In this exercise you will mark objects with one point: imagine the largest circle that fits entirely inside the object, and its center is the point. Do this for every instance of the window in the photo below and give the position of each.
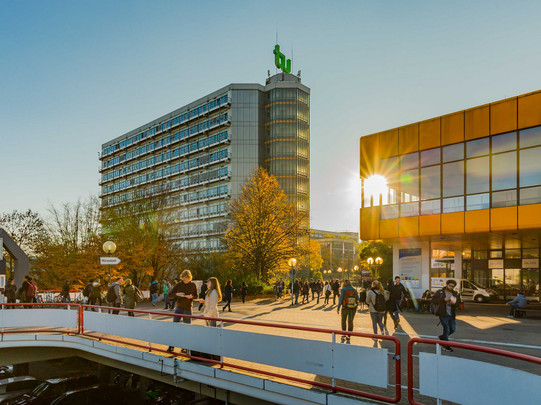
(480, 255)
(504, 198)
(496, 254)
(455, 204)
(409, 185)
(430, 207)
(530, 167)
(430, 157)
(409, 161)
(530, 195)
(453, 179)
(477, 175)
(453, 152)
(512, 254)
(430, 182)
(389, 212)
(478, 147)
(504, 171)
(530, 137)
(504, 142)
(409, 210)
(530, 253)
(477, 202)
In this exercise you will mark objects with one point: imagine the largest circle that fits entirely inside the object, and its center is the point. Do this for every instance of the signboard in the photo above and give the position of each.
(280, 60)
(109, 260)
(2, 281)
(365, 272)
(495, 264)
(409, 266)
(530, 263)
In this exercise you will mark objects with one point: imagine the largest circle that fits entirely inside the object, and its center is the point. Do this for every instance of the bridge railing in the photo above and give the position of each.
(32, 318)
(323, 362)
(462, 380)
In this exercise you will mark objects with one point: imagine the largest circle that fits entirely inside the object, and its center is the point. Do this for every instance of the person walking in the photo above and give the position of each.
(166, 288)
(213, 295)
(398, 292)
(65, 293)
(390, 306)
(95, 293)
(87, 291)
(296, 290)
(319, 288)
(312, 285)
(129, 296)
(185, 291)
(327, 291)
(116, 294)
(244, 291)
(228, 295)
(305, 292)
(202, 295)
(348, 301)
(444, 303)
(154, 292)
(335, 290)
(375, 298)
(518, 302)
(11, 292)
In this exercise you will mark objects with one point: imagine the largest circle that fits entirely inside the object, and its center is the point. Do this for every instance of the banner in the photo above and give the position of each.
(409, 266)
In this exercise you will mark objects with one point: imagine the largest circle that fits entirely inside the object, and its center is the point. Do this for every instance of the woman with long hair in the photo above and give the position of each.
(376, 298)
(228, 295)
(213, 295)
(129, 296)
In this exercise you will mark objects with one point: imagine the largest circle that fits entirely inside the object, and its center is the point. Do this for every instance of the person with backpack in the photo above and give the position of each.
(129, 296)
(114, 295)
(444, 304)
(95, 294)
(154, 292)
(348, 301)
(65, 293)
(376, 298)
(27, 292)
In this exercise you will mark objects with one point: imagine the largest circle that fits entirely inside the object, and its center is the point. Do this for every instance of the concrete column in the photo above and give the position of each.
(458, 264)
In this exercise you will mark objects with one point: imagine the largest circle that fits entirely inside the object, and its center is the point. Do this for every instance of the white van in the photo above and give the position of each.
(469, 291)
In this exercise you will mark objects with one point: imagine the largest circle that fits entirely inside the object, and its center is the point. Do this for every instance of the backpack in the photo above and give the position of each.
(86, 291)
(111, 296)
(350, 301)
(138, 295)
(31, 290)
(379, 305)
(435, 304)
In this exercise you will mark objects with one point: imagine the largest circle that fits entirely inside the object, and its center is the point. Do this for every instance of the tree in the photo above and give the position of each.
(378, 249)
(26, 229)
(311, 259)
(264, 228)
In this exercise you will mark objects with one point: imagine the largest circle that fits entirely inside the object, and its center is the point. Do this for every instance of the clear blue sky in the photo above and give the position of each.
(75, 74)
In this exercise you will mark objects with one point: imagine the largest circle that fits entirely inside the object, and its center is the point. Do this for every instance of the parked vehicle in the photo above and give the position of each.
(15, 386)
(98, 396)
(468, 290)
(51, 389)
(6, 371)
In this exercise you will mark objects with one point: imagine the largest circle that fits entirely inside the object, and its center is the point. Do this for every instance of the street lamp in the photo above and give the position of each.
(292, 262)
(109, 248)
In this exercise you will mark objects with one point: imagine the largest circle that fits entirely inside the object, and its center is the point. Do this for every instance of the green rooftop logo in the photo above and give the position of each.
(280, 60)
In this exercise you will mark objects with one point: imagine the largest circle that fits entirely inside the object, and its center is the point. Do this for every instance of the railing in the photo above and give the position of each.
(465, 381)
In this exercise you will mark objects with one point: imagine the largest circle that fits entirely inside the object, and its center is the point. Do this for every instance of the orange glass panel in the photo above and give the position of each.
(503, 116)
(388, 143)
(452, 222)
(429, 225)
(529, 216)
(369, 155)
(477, 221)
(408, 227)
(388, 228)
(429, 134)
(502, 219)
(529, 110)
(370, 223)
(408, 138)
(477, 124)
(452, 128)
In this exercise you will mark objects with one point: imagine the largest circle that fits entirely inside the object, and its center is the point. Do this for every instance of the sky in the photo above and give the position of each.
(76, 74)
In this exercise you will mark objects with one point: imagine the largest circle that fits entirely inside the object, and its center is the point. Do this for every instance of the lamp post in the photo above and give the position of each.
(355, 269)
(109, 248)
(379, 262)
(292, 262)
(370, 262)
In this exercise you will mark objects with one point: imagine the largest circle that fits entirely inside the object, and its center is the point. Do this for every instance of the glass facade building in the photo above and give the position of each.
(466, 189)
(199, 156)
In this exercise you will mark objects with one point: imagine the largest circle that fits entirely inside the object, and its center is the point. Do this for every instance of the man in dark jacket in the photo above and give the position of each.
(398, 291)
(447, 300)
(10, 292)
(65, 293)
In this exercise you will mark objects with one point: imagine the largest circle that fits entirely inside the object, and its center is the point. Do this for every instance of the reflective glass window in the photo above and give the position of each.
(454, 204)
(430, 157)
(477, 202)
(480, 255)
(504, 142)
(409, 209)
(409, 161)
(530, 167)
(430, 182)
(478, 147)
(504, 171)
(409, 185)
(430, 207)
(530, 137)
(453, 152)
(530, 195)
(453, 179)
(389, 212)
(477, 175)
(506, 198)
(512, 254)
(530, 253)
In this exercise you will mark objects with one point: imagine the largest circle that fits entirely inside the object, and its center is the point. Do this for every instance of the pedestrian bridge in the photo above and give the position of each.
(274, 363)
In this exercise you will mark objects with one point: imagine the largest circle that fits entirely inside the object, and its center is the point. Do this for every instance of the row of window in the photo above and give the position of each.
(177, 136)
(168, 171)
(204, 211)
(168, 124)
(199, 228)
(183, 150)
(285, 94)
(288, 112)
(207, 193)
(201, 244)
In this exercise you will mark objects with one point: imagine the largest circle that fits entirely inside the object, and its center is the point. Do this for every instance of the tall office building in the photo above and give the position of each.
(199, 156)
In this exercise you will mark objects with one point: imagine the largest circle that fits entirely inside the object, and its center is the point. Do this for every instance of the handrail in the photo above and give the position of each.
(396, 356)
(40, 305)
(466, 346)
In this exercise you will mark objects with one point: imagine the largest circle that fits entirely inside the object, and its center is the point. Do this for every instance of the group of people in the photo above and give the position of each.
(307, 288)
(27, 293)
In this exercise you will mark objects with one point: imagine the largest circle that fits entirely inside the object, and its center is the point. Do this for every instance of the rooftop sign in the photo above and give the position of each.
(280, 60)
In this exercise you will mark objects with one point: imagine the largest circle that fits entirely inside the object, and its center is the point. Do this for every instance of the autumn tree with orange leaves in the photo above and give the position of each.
(264, 229)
